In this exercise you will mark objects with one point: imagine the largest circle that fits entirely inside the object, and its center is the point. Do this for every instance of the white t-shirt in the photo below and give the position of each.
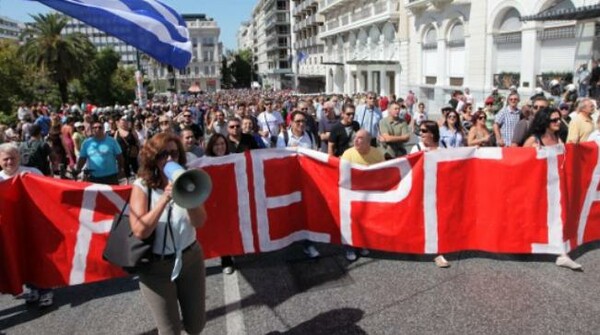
(183, 237)
(304, 141)
(270, 122)
(21, 169)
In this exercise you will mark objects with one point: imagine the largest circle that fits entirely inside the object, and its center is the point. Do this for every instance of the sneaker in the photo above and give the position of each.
(351, 255)
(441, 262)
(364, 252)
(31, 296)
(228, 270)
(311, 251)
(566, 262)
(46, 299)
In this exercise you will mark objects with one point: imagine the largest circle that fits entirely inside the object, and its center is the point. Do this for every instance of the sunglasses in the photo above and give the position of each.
(481, 118)
(554, 120)
(166, 153)
(350, 114)
(452, 117)
(187, 115)
(513, 99)
(300, 121)
(537, 107)
(97, 127)
(234, 126)
(164, 122)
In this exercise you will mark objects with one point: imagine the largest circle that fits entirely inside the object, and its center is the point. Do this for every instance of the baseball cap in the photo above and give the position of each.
(78, 124)
(489, 101)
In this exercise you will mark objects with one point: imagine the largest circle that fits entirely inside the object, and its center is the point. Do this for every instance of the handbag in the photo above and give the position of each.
(123, 248)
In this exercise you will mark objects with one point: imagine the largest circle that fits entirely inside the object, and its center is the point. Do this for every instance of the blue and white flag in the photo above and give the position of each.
(302, 56)
(147, 25)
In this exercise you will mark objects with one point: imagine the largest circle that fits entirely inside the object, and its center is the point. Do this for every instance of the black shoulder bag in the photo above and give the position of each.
(123, 248)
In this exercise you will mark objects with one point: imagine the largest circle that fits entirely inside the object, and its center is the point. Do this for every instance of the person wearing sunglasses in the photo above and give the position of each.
(522, 128)
(342, 133)
(506, 121)
(479, 135)
(174, 279)
(326, 123)
(452, 134)
(237, 141)
(103, 156)
(430, 141)
(544, 132)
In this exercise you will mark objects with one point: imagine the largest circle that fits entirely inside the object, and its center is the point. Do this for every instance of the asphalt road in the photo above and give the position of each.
(283, 293)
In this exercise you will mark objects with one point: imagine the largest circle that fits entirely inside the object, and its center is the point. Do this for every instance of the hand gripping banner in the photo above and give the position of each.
(499, 200)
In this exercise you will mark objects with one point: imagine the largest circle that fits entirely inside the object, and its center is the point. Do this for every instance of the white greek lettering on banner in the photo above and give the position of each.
(264, 203)
(87, 227)
(556, 244)
(348, 195)
(243, 196)
(591, 196)
(430, 173)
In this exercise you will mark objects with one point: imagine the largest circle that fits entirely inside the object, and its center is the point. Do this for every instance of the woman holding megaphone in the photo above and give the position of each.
(175, 278)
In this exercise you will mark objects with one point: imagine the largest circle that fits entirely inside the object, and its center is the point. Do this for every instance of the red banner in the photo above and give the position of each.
(501, 200)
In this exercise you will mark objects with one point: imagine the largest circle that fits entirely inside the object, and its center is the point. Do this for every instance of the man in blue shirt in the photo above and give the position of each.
(368, 117)
(103, 156)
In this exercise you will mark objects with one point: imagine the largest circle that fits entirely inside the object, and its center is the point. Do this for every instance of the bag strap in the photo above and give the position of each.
(162, 256)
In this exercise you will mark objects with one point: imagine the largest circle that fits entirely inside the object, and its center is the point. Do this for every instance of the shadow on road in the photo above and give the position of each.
(337, 321)
(70, 295)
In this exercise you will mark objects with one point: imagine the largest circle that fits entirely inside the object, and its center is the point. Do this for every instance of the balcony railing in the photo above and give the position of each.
(377, 11)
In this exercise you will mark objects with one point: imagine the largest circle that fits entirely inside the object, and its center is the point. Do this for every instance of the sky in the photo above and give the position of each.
(228, 13)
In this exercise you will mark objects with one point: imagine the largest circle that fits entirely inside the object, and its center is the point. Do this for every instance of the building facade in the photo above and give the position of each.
(452, 44)
(245, 36)
(272, 46)
(361, 45)
(203, 73)
(10, 29)
(101, 40)
(307, 48)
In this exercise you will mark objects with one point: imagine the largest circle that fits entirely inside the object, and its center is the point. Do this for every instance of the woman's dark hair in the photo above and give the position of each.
(476, 116)
(433, 128)
(148, 163)
(210, 146)
(541, 121)
(458, 124)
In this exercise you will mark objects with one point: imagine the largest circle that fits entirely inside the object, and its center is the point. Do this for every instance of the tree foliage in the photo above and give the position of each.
(62, 57)
(241, 69)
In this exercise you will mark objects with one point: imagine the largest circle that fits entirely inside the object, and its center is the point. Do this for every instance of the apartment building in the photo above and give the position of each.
(10, 29)
(307, 47)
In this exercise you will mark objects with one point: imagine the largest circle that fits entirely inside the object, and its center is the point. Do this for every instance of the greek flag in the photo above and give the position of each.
(147, 25)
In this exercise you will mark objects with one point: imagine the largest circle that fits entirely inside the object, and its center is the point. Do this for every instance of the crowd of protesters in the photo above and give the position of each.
(102, 144)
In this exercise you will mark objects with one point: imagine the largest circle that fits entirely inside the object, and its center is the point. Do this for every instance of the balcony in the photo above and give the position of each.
(417, 6)
(330, 5)
(362, 17)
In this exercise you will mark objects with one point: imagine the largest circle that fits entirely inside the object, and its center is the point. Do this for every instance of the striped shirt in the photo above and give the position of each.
(507, 120)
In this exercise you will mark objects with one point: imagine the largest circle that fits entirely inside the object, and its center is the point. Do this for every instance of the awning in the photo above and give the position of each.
(566, 14)
(333, 63)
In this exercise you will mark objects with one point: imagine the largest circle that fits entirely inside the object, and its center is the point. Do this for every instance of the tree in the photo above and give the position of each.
(241, 69)
(11, 71)
(98, 78)
(226, 75)
(63, 57)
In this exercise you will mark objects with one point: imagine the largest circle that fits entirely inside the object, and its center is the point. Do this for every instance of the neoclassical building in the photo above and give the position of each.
(453, 44)
(362, 50)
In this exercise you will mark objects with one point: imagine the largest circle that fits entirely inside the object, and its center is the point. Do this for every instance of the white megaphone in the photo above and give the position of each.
(191, 187)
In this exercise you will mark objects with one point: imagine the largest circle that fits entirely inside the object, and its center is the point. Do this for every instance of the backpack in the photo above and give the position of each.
(31, 154)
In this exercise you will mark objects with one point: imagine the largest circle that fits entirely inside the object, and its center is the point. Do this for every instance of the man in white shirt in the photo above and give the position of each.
(270, 123)
(297, 136)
